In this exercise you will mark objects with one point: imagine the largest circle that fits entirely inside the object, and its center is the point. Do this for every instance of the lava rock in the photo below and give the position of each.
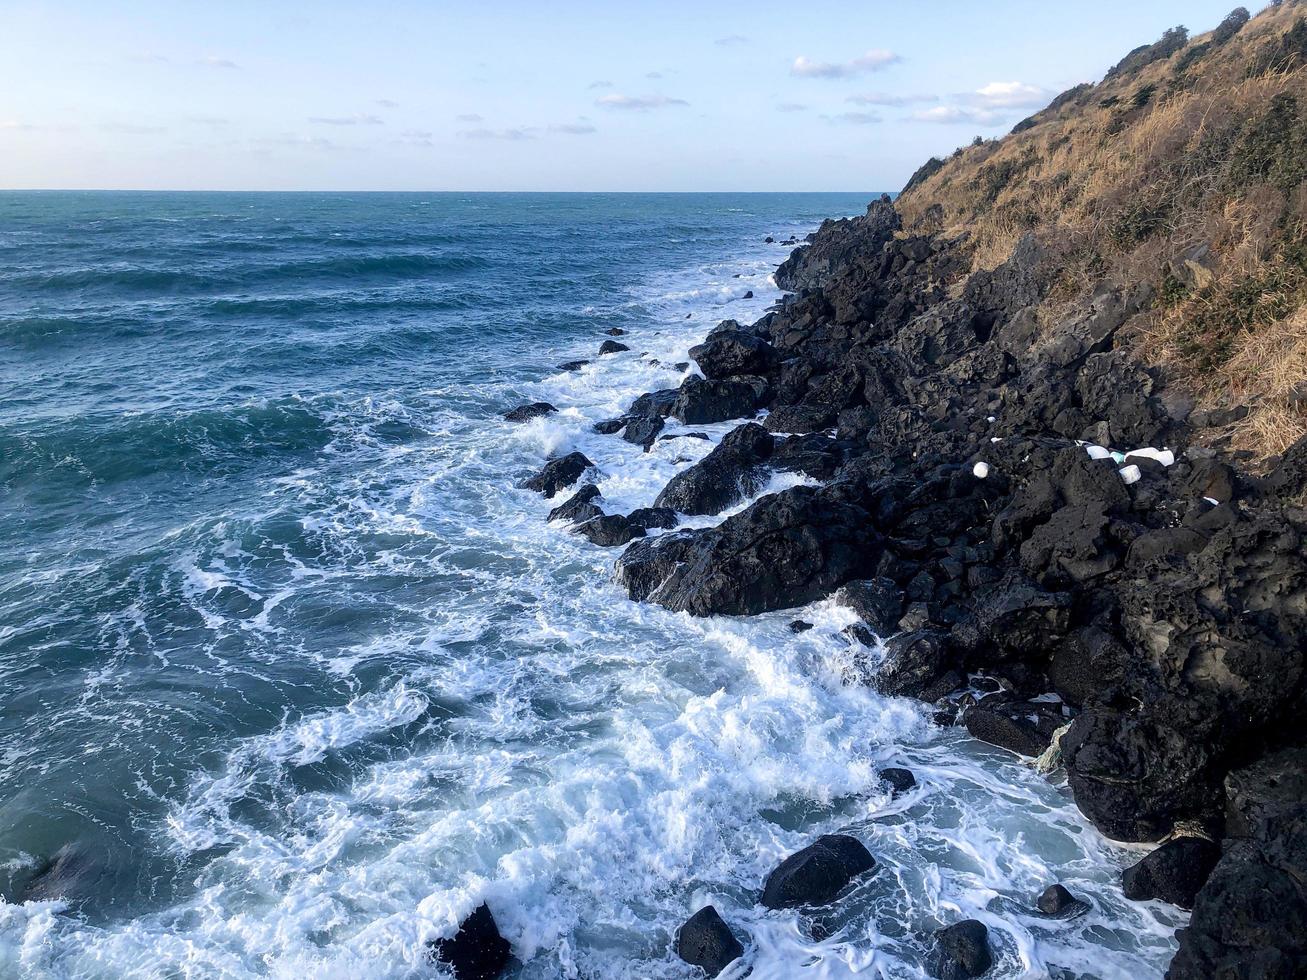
(610, 531)
(703, 402)
(728, 353)
(660, 517)
(816, 874)
(612, 347)
(660, 403)
(558, 474)
(706, 941)
(899, 780)
(615, 332)
(800, 626)
(608, 427)
(877, 601)
(961, 951)
(572, 365)
(477, 951)
(1023, 727)
(919, 665)
(732, 471)
(643, 430)
(524, 413)
(1058, 903)
(579, 507)
(1174, 872)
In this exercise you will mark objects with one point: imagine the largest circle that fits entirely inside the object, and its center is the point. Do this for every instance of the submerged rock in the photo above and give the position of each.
(816, 874)
(610, 530)
(961, 951)
(706, 941)
(1058, 903)
(899, 780)
(579, 507)
(524, 413)
(477, 951)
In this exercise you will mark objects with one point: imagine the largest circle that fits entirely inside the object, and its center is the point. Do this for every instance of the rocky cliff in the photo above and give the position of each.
(1051, 399)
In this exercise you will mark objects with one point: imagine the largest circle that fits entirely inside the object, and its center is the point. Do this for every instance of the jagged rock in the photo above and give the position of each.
(572, 365)
(524, 413)
(612, 347)
(1087, 666)
(706, 941)
(1023, 727)
(800, 626)
(919, 665)
(610, 531)
(643, 430)
(703, 402)
(1250, 918)
(1058, 903)
(899, 780)
(1021, 620)
(817, 456)
(961, 951)
(1174, 872)
(728, 474)
(477, 951)
(837, 245)
(558, 474)
(816, 874)
(659, 403)
(877, 601)
(659, 517)
(608, 427)
(801, 418)
(784, 550)
(729, 353)
(579, 507)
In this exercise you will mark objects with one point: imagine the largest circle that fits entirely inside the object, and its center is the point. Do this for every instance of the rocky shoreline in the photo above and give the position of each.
(1031, 541)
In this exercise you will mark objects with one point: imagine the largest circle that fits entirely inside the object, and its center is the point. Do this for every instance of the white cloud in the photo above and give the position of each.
(215, 62)
(573, 129)
(731, 39)
(359, 119)
(791, 107)
(637, 102)
(388, 103)
(888, 99)
(470, 117)
(131, 129)
(594, 85)
(653, 74)
(858, 118)
(1010, 95)
(512, 134)
(208, 120)
(946, 115)
(873, 60)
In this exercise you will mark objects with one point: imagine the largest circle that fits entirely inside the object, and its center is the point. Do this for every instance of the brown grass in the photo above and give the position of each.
(1206, 146)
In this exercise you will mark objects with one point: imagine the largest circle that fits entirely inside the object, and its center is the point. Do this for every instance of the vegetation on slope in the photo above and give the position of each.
(1184, 169)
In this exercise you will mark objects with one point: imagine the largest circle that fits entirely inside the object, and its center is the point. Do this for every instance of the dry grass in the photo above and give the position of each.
(1206, 146)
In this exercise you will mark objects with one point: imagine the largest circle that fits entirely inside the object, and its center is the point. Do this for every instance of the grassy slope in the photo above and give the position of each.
(1184, 144)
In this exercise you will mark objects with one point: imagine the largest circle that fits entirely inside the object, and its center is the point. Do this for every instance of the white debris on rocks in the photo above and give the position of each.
(1163, 456)
(1130, 474)
(980, 470)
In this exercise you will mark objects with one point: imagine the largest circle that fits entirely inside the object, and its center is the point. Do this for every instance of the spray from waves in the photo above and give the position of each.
(510, 729)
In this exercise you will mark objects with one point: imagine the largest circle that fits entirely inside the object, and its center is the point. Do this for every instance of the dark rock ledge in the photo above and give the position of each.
(1150, 617)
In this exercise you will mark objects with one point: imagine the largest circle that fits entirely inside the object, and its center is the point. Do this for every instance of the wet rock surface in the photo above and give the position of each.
(818, 873)
(707, 941)
(477, 951)
(961, 951)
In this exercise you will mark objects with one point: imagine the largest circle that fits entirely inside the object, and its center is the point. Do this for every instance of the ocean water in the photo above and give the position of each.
(295, 677)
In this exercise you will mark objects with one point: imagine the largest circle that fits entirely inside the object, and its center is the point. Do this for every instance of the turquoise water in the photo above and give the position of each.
(297, 678)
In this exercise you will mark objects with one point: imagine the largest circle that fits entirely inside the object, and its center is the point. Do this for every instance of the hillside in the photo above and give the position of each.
(1182, 171)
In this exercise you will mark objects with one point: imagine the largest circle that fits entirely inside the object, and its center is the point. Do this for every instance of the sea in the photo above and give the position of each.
(293, 676)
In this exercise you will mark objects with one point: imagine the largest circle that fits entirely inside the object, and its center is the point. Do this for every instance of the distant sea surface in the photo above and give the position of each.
(292, 677)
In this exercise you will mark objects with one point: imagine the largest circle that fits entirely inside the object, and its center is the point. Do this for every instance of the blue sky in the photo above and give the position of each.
(535, 96)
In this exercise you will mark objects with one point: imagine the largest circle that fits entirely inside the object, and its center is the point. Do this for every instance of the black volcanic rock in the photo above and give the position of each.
(572, 365)
(579, 507)
(1174, 872)
(706, 941)
(558, 474)
(961, 951)
(816, 874)
(899, 780)
(728, 353)
(728, 474)
(643, 430)
(477, 951)
(703, 402)
(612, 347)
(1057, 902)
(524, 413)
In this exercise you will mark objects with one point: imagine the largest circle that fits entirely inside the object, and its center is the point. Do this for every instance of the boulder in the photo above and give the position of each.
(784, 550)
(1174, 872)
(477, 951)
(816, 874)
(732, 471)
(572, 365)
(877, 601)
(728, 353)
(800, 418)
(703, 402)
(919, 665)
(1057, 902)
(899, 780)
(579, 507)
(706, 941)
(1023, 727)
(608, 427)
(961, 951)
(612, 347)
(660, 403)
(643, 430)
(610, 530)
(558, 474)
(524, 413)
(660, 517)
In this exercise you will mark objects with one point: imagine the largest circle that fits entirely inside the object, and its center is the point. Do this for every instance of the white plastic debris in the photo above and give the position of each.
(1213, 501)
(1118, 457)
(989, 418)
(995, 439)
(1098, 452)
(1163, 456)
(980, 470)
(1130, 474)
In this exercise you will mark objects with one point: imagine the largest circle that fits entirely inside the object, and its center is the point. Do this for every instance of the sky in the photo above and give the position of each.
(568, 95)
